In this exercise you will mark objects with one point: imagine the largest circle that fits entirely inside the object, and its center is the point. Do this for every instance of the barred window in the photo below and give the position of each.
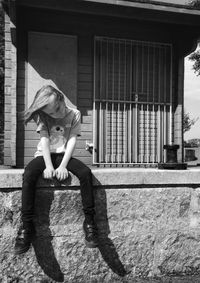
(133, 116)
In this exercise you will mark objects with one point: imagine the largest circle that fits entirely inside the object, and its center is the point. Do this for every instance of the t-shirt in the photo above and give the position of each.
(58, 130)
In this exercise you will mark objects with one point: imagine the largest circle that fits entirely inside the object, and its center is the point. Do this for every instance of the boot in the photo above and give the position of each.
(91, 234)
(24, 238)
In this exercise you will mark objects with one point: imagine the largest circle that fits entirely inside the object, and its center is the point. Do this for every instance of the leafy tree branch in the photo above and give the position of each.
(188, 122)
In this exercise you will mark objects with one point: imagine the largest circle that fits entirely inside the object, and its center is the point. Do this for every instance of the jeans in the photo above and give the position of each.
(36, 167)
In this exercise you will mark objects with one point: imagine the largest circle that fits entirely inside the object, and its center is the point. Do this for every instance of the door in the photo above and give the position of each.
(52, 59)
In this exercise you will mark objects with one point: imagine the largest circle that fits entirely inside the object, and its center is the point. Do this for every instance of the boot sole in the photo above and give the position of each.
(22, 251)
(90, 245)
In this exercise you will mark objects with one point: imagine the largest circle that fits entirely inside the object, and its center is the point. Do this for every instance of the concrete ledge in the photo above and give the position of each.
(144, 176)
(12, 178)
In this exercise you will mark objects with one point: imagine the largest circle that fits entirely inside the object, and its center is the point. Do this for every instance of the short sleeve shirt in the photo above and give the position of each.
(58, 130)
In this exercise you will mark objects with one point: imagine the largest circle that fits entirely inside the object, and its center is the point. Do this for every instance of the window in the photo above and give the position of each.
(133, 116)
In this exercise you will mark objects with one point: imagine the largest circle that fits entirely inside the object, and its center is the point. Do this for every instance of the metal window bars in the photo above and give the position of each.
(133, 101)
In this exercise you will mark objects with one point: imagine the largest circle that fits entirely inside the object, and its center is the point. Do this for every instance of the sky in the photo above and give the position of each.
(192, 98)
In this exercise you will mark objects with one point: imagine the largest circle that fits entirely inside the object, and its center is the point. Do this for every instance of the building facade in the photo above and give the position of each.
(121, 63)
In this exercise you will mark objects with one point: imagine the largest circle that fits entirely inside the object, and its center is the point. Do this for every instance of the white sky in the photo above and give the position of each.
(192, 98)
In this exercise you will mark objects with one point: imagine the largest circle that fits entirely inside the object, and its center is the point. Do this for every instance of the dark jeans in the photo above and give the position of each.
(36, 167)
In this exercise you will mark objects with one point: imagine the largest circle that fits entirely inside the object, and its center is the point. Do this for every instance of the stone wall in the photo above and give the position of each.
(149, 229)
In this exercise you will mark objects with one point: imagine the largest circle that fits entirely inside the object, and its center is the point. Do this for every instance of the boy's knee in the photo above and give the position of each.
(86, 172)
(30, 175)
(27, 174)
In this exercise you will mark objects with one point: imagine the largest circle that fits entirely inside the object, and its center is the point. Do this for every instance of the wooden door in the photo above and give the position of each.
(52, 59)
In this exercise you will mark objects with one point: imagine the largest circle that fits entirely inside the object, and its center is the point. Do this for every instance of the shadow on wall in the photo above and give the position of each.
(106, 246)
(42, 245)
(48, 66)
(44, 249)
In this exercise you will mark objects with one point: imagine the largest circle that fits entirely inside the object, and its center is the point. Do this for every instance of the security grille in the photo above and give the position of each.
(133, 116)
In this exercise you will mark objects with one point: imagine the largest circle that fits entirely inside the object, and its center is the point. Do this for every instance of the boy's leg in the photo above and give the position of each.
(84, 175)
(31, 174)
(26, 232)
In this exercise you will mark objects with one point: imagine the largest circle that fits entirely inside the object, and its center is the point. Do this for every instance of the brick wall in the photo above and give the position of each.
(1, 84)
(9, 101)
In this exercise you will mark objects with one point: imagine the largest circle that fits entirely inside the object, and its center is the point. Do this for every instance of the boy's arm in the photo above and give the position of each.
(61, 171)
(49, 171)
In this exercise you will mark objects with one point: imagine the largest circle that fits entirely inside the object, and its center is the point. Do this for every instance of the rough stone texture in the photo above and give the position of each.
(146, 235)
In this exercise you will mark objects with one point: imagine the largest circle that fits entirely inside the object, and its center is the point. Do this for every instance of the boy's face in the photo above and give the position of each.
(56, 108)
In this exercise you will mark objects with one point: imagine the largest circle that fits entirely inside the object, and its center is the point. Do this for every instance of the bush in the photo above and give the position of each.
(195, 4)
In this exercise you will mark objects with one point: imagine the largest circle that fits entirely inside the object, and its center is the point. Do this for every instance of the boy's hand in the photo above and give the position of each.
(61, 173)
(49, 173)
